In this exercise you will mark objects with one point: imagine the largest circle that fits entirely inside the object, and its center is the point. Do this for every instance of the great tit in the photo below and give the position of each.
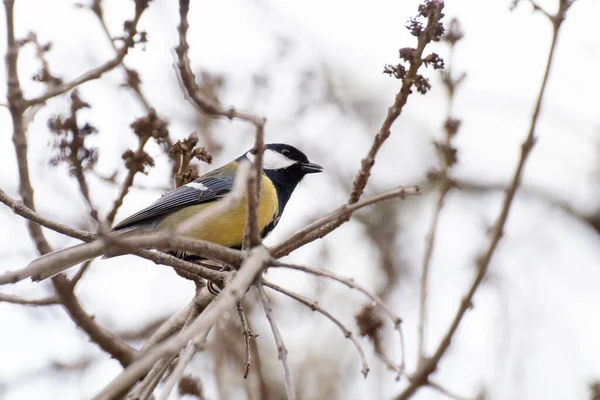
(284, 166)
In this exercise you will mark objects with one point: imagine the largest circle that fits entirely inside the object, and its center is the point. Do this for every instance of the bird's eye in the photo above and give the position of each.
(286, 152)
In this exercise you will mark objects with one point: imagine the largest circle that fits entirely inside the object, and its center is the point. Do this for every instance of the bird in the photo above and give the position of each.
(284, 166)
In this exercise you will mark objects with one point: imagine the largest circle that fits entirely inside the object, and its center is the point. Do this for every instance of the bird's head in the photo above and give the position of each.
(285, 166)
(279, 158)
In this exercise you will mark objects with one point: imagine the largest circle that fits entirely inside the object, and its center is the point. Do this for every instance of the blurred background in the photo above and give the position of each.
(314, 70)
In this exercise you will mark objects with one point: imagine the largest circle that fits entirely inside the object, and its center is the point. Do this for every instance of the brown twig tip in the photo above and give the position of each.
(183, 152)
(314, 306)
(454, 33)
(150, 125)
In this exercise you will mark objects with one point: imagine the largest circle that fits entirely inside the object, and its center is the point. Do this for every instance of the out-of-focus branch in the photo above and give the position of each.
(106, 340)
(95, 73)
(48, 301)
(447, 156)
(313, 305)
(62, 286)
(396, 320)
(429, 365)
(146, 387)
(281, 349)
(334, 219)
(253, 265)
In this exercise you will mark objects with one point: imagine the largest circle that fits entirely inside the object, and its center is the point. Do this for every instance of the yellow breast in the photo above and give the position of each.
(227, 228)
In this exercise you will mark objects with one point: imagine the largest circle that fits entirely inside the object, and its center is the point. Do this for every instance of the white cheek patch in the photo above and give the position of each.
(275, 160)
(197, 186)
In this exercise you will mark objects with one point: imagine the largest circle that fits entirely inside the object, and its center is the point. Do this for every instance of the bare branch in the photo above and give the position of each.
(48, 301)
(188, 79)
(447, 156)
(334, 219)
(184, 359)
(313, 305)
(409, 79)
(247, 333)
(58, 261)
(62, 286)
(254, 189)
(106, 340)
(396, 320)
(420, 378)
(281, 349)
(253, 265)
(128, 43)
(19, 208)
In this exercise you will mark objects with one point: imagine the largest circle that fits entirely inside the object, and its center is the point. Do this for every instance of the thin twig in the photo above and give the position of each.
(159, 258)
(58, 261)
(253, 265)
(331, 221)
(184, 359)
(281, 349)
(127, 182)
(446, 392)
(62, 286)
(313, 305)
(79, 274)
(421, 376)
(396, 320)
(145, 388)
(95, 73)
(447, 157)
(428, 34)
(48, 301)
(188, 79)
(247, 333)
(254, 190)
(18, 207)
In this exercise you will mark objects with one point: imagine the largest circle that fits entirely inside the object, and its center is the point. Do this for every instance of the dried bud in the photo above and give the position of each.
(454, 33)
(408, 54)
(435, 60)
(369, 323)
(451, 126)
(447, 152)
(422, 84)
(397, 71)
(202, 154)
(434, 175)
(139, 162)
(150, 126)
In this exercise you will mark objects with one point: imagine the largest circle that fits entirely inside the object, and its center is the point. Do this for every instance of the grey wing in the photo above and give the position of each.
(200, 191)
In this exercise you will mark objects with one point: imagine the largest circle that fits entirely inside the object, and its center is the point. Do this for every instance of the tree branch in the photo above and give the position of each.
(281, 349)
(253, 265)
(313, 305)
(95, 73)
(421, 376)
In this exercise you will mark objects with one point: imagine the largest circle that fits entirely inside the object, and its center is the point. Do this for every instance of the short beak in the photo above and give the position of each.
(311, 168)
